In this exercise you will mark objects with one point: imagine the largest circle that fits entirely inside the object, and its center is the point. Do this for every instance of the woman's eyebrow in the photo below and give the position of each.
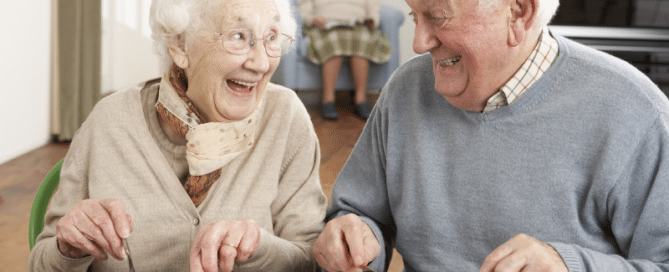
(246, 22)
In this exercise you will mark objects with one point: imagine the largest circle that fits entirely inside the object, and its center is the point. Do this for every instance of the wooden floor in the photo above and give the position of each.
(20, 178)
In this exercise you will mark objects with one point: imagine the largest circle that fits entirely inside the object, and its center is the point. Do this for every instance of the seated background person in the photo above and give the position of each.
(210, 167)
(506, 148)
(338, 29)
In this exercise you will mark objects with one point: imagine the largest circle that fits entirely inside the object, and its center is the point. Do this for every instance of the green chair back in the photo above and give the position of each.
(44, 192)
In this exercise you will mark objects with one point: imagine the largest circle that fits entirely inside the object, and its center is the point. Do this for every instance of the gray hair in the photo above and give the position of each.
(179, 19)
(547, 9)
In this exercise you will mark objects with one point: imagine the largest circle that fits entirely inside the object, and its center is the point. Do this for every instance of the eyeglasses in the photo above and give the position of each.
(240, 42)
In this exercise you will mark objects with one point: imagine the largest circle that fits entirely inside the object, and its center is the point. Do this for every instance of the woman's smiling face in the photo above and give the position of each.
(223, 86)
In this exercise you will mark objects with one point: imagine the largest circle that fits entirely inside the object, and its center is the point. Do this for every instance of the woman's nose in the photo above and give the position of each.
(258, 60)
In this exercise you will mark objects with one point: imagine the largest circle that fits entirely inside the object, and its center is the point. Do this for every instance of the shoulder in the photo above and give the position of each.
(285, 110)
(117, 113)
(286, 126)
(120, 104)
(608, 79)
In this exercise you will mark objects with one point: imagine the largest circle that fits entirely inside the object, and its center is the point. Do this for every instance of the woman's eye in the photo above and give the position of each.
(271, 38)
(239, 36)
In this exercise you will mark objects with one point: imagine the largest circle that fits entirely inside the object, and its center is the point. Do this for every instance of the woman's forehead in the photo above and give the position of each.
(247, 12)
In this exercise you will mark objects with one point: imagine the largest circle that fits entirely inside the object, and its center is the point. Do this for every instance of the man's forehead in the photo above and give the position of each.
(437, 3)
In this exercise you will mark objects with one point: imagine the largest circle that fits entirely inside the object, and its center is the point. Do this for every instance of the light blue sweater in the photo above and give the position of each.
(579, 161)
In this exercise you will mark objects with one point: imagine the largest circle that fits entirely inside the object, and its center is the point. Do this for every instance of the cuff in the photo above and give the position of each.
(569, 255)
(64, 263)
(379, 262)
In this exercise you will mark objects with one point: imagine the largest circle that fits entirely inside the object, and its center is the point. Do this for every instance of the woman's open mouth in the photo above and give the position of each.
(241, 87)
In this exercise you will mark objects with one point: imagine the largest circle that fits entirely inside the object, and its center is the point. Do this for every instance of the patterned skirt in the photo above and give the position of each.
(347, 41)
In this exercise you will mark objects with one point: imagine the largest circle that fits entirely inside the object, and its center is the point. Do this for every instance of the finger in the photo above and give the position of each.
(353, 240)
(70, 237)
(227, 255)
(339, 252)
(491, 261)
(82, 224)
(248, 245)
(209, 240)
(195, 260)
(514, 262)
(101, 217)
(319, 249)
(118, 215)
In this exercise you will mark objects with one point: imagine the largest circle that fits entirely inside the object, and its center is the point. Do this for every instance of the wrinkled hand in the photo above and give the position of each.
(95, 227)
(524, 253)
(319, 22)
(218, 245)
(346, 244)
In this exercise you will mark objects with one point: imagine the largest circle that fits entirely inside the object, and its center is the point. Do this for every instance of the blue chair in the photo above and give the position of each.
(298, 73)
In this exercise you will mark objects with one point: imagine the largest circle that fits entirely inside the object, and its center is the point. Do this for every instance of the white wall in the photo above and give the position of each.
(24, 73)
(406, 30)
(127, 47)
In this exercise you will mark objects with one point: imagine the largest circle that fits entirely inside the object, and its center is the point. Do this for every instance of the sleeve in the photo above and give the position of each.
(72, 189)
(637, 209)
(297, 212)
(361, 186)
(373, 11)
(306, 8)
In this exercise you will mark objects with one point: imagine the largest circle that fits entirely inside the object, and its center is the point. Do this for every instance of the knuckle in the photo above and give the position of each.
(227, 253)
(207, 243)
(332, 250)
(93, 231)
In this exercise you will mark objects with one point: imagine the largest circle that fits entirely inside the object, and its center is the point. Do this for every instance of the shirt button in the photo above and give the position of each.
(196, 221)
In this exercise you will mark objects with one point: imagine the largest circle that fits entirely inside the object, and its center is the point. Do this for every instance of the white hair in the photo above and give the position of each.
(178, 20)
(547, 9)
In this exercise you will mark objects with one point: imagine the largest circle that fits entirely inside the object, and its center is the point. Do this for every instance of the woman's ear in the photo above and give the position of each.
(177, 49)
(523, 16)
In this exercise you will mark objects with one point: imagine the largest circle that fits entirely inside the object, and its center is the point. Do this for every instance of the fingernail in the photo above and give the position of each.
(358, 261)
(123, 254)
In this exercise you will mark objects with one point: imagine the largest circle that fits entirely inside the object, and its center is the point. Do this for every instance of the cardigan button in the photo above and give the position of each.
(196, 221)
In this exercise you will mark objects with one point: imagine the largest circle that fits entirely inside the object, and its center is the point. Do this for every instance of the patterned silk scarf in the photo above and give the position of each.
(210, 145)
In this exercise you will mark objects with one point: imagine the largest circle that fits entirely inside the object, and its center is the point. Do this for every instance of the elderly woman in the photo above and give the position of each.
(210, 167)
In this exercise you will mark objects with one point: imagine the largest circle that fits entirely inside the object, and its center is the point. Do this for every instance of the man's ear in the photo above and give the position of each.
(177, 49)
(523, 16)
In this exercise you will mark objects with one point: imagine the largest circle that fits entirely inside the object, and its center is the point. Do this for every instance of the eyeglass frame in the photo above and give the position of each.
(252, 41)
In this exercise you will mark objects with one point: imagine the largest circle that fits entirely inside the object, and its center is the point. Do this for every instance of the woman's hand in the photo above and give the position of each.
(95, 227)
(218, 245)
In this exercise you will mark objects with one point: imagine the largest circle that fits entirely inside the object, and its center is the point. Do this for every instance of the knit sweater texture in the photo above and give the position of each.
(120, 152)
(580, 161)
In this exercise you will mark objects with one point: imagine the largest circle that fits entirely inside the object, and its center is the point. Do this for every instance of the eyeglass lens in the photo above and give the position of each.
(241, 41)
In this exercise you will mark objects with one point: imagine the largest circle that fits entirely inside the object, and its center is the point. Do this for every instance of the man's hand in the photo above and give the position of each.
(346, 244)
(95, 227)
(524, 253)
(218, 245)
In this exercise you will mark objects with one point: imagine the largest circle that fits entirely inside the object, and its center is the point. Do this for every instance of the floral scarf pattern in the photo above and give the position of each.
(210, 145)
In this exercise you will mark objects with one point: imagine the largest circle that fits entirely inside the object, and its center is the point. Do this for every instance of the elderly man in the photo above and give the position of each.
(506, 148)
